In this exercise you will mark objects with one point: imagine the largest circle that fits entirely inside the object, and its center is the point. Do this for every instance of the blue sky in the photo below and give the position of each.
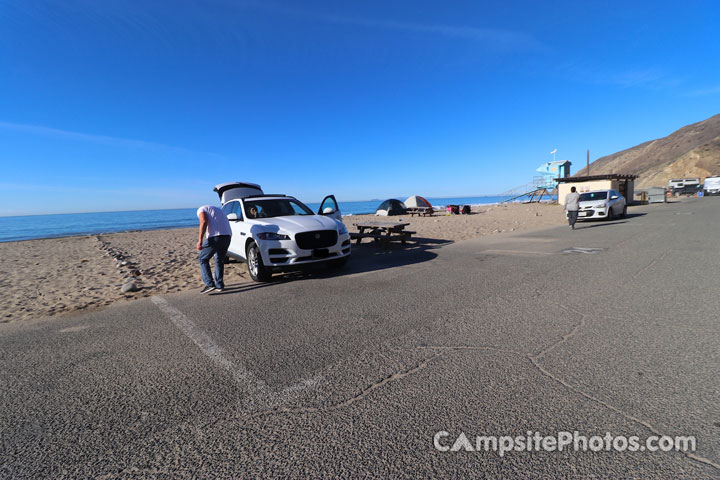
(117, 105)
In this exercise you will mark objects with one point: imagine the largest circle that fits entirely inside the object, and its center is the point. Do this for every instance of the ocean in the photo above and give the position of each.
(74, 224)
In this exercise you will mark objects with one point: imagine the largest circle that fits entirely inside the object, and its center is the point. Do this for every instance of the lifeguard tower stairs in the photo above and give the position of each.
(543, 185)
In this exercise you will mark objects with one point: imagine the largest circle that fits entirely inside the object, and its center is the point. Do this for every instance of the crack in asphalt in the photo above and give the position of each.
(299, 410)
(573, 331)
(535, 361)
(627, 416)
(349, 401)
(491, 348)
(649, 265)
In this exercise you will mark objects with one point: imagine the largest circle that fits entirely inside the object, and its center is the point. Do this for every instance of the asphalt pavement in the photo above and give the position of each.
(610, 328)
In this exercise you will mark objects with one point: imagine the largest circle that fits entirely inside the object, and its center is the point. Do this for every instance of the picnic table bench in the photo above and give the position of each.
(424, 211)
(381, 232)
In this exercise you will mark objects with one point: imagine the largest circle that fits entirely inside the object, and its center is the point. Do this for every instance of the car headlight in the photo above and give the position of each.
(342, 229)
(272, 236)
(602, 205)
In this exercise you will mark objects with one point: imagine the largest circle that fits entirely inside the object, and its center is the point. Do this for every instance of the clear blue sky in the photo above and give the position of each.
(125, 105)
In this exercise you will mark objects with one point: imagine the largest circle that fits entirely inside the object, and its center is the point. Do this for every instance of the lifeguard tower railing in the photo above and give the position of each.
(542, 186)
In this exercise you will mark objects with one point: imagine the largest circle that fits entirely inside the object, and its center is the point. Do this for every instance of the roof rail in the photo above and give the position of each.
(270, 195)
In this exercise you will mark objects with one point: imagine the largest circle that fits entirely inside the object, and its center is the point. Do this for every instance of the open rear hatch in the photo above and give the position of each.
(235, 190)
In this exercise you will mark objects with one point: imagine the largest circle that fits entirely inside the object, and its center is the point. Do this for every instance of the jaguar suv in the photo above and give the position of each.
(276, 233)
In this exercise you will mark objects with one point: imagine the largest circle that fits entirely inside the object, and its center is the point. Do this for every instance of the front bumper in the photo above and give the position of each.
(286, 255)
(588, 213)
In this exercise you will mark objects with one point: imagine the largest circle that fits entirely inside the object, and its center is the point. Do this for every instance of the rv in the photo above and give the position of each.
(676, 183)
(684, 186)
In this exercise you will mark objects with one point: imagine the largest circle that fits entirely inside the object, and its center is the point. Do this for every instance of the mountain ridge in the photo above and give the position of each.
(689, 152)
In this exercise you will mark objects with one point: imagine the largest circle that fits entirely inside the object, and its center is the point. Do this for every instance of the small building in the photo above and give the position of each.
(623, 184)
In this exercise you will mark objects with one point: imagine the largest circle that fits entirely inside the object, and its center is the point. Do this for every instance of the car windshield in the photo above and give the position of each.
(592, 196)
(275, 207)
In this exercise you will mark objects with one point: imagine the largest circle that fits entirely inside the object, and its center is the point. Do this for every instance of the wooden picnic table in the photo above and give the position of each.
(420, 211)
(382, 232)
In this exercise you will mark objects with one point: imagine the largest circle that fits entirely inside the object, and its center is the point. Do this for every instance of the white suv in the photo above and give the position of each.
(275, 233)
(712, 185)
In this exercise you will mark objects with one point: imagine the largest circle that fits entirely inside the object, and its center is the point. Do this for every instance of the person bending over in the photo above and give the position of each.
(213, 241)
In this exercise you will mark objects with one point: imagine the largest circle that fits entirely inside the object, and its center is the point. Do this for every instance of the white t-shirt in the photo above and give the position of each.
(572, 202)
(218, 223)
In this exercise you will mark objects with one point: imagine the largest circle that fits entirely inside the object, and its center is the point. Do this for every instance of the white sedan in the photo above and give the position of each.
(602, 204)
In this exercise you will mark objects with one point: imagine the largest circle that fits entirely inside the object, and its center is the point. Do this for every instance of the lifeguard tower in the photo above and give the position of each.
(550, 172)
(543, 184)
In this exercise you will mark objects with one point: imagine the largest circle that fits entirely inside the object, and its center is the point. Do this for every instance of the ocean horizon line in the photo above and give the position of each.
(195, 207)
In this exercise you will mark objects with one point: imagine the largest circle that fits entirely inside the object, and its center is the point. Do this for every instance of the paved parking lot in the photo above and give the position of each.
(612, 328)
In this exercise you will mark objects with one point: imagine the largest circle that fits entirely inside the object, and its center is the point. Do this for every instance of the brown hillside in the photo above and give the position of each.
(693, 151)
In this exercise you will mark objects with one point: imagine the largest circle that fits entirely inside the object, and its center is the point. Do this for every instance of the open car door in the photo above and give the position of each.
(239, 228)
(329, 207)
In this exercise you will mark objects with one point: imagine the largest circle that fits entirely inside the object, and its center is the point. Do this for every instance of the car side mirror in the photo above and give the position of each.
(614, 197)
(328, 210)
(232, 217)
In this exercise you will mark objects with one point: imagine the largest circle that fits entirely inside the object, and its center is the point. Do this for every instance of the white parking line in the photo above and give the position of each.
(259, 392)
(497, 251)
(585, 250)
(209, 348)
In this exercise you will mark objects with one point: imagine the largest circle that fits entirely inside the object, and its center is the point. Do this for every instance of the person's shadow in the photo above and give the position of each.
(602, 222)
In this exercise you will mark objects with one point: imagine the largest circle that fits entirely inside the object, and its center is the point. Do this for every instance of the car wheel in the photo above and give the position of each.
(339, 262)
(257, 270)
(610, 215)
(624, 214)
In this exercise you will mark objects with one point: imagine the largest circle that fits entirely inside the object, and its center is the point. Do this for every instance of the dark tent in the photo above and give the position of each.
(391, 207)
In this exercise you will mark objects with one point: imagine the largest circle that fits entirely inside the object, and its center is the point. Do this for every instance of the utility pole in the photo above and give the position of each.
(587, 169)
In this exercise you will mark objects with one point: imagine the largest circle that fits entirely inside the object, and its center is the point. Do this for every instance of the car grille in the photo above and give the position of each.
(316, 239)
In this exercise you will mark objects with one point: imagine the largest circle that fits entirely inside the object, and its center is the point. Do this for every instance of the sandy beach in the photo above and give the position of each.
(43, 278)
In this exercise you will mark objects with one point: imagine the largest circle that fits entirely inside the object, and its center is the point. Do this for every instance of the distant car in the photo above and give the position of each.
(602, 204)
(275, 233)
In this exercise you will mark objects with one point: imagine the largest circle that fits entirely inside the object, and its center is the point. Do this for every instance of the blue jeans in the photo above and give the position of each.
(217, 247)
(572, 217)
